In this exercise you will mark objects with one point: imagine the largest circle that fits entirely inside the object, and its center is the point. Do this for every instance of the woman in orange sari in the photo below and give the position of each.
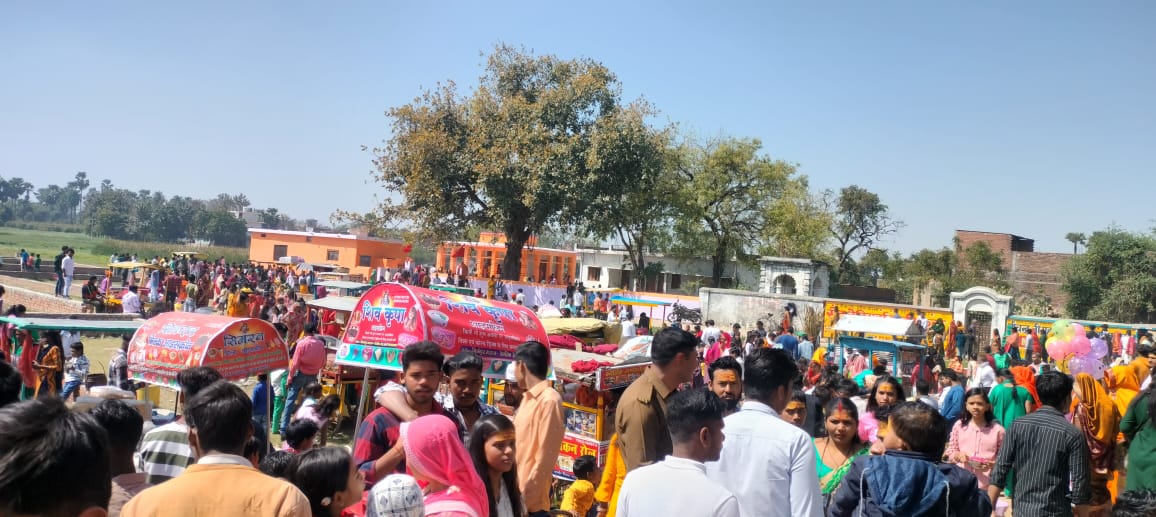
(1096, 416)
(1124, 385)
(49, 365)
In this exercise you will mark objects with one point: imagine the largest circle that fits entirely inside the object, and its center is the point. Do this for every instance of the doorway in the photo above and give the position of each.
(982, 322)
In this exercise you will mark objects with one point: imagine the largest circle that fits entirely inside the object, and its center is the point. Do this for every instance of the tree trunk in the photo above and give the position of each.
(512, 262)
(718, 262)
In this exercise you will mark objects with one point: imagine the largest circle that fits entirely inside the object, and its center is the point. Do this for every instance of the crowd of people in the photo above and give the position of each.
(758, 438)
(721, 423)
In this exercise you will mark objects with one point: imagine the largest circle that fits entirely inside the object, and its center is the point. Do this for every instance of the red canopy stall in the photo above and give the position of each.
(173, 341)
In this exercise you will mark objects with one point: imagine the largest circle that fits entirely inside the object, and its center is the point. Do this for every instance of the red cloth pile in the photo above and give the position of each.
(600, 349)
(588, 365)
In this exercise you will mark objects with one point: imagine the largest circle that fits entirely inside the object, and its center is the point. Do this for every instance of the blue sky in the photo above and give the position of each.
(1034, 117)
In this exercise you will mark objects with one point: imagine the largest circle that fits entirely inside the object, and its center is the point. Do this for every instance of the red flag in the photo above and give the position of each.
(460, 251)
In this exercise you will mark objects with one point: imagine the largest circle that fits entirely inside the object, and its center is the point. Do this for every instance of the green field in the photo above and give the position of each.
(94, 251)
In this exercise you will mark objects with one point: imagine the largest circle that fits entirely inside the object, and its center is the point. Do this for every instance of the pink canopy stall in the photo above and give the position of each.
(391, 316)
(173, 341)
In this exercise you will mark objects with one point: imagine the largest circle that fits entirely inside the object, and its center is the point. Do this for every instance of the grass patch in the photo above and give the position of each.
(94, 251)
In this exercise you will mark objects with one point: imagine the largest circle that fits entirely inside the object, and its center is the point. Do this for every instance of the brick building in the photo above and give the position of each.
(1030, 272)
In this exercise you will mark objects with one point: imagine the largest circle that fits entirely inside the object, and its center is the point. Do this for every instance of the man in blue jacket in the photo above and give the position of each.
(909, 480)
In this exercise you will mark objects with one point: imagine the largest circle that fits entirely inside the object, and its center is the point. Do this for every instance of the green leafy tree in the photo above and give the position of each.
(798, 224)
(860, 221)
(640, 216)
(1114, 279)
(221, 228)
(727, 189)
(518, 155)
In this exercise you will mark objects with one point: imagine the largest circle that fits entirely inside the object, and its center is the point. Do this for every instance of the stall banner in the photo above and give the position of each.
(390, 317)
(619, 376)
(574, 446)
(174, 341)
(832, 309)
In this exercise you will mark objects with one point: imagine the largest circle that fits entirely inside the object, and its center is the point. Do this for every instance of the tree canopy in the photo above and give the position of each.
(523, 151)
(1114, 279)
(727, 189)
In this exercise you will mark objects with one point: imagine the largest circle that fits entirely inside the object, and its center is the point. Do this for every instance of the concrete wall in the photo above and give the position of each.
(729, 306)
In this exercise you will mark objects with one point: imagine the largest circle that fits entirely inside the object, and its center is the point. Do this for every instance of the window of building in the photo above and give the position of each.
(675, 281)
(280, 250)
(593, 274)
(331, 255)
(364, 261)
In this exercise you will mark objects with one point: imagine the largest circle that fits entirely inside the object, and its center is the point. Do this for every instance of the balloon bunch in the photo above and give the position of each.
(1074, 352)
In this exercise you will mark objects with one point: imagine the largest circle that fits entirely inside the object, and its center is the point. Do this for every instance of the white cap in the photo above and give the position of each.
(510, 372)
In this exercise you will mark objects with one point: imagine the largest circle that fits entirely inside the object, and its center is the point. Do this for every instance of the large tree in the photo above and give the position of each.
(517, 155)
(640, 216)
(1114, 279)
(860, 220)
(726, 192)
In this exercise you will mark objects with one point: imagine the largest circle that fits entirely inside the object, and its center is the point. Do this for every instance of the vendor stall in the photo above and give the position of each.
(902, 356)
(588, 383)
(343, 288)
(173, 341)
(589, 330)
(392, 316)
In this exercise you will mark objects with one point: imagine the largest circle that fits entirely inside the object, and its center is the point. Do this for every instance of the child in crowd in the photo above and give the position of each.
(276, 464)
(909, 478)
(923, 394)
(299, 436)
(579, 498)
(75, 371)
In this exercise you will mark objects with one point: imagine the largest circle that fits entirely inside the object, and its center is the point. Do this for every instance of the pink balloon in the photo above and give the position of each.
(1081, 345)
(1078, 330)
(1058, 349)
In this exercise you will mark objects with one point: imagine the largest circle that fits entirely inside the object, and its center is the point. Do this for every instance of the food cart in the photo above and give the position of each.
(589, 399)
(903, 355)
(339, 379)
(392, 316)
(344, 288)
(237, 348)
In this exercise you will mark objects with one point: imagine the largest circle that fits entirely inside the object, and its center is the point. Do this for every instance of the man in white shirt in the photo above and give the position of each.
(767, 462)
(68, 266)
(695, 421)
(130, 302)
(711, 331)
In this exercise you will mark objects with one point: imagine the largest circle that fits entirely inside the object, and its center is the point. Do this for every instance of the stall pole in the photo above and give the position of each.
(361, 402)
(269, 413)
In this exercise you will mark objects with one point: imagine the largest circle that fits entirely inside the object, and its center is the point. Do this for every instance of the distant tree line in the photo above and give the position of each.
(117, 213)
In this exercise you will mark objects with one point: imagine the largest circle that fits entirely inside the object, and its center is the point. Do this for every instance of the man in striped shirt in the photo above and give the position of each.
(1046, 452)
(165, 451)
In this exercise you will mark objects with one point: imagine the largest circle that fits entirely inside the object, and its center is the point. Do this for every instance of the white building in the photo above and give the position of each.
(800, 276)
(611, 268)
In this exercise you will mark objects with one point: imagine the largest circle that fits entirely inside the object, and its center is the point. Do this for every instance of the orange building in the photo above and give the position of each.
(360, 254)
(483, 258)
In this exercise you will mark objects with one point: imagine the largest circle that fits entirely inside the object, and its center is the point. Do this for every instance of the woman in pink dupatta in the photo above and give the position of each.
(435, 455)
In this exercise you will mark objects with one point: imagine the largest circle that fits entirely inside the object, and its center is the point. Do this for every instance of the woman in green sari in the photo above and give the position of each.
(835, 452)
